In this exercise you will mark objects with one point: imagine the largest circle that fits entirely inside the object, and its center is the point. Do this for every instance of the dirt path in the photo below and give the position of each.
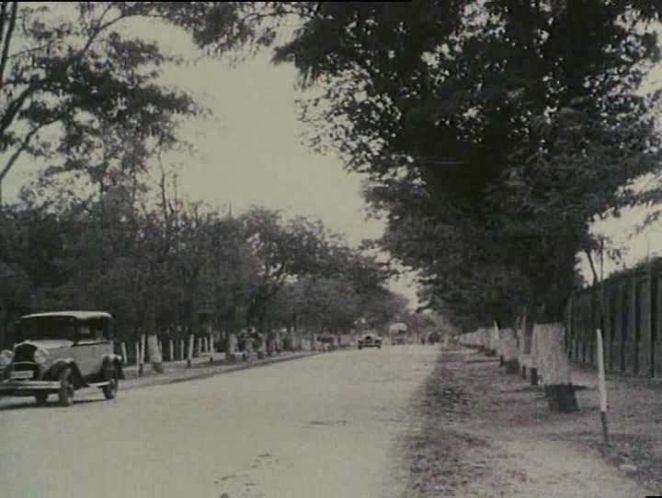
(483, 433)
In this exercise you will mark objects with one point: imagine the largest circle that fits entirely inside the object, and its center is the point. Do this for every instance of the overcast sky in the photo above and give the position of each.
(249, 150)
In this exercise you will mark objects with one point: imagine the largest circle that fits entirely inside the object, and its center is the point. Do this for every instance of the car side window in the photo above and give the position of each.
(98, 332)
(97, 328)
(84, 332)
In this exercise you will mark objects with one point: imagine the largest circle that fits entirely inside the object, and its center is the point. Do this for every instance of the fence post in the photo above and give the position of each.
(657, 327)
(644, 345)
(631, 339)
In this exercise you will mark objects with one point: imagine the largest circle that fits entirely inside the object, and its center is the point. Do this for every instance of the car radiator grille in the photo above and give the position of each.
(24, 359)
(24, 352)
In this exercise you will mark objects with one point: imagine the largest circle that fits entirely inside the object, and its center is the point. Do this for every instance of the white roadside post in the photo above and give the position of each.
(602, 387)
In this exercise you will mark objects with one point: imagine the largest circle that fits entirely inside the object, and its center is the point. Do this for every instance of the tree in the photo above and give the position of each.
(64, 82)
(508, 130)
(284, 250)
(508, 126)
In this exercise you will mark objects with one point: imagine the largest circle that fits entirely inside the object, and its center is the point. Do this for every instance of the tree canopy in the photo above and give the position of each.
(70, 77)
(492, 133)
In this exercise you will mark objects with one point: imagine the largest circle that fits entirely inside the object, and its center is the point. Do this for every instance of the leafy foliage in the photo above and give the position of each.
(68, 71)
(492, 133)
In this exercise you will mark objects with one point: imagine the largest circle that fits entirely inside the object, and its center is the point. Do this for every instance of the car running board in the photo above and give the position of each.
(98, 384)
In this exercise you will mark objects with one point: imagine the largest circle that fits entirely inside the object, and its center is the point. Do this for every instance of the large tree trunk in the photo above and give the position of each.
(189, 352)
(536, 355)
(141, 355)
(231, 348)
(555, 368)
(493, 340)
(525, 333)
(125, 356)
(261, 347)
(508, 342)
(155, 356)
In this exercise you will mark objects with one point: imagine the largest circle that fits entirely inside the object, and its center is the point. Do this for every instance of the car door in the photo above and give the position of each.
(90, 347)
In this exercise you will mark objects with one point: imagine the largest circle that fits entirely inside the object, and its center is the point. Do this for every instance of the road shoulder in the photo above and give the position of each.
(486, 433)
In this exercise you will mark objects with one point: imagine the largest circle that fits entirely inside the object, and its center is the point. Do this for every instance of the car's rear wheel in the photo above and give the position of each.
(66, 392)
(41, 398)
(110, 389)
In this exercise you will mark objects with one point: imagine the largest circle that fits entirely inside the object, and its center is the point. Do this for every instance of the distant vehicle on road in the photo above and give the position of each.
(398, 332)
(398, 339)
(370, 341)
(60, 352)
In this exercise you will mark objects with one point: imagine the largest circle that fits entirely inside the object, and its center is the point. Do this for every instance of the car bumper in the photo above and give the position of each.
(27, 387)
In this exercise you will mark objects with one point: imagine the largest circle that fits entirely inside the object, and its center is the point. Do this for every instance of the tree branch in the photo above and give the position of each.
(26, 141)
(3, 13)
(596, 279)
(7, 39)
(13, 108)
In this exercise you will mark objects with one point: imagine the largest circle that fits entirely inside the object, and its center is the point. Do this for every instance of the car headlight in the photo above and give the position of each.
(5, 357)
(40, 356)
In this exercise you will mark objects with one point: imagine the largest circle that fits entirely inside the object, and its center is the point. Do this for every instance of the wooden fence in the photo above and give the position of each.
(632, 328)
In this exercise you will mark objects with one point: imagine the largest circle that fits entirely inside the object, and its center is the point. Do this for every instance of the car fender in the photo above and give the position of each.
(116, 360)
(59, 365)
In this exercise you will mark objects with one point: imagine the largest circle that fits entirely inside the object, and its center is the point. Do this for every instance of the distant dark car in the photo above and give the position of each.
(60, 352)
(370, 341)
(434, 338)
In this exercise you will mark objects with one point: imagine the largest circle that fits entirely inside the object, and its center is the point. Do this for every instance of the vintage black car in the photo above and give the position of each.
(60, 352)
(370, 341)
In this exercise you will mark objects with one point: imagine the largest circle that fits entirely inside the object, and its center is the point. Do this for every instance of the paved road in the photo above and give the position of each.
(324, 426)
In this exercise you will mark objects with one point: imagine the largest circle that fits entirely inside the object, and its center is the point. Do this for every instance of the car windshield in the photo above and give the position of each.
(59, 327)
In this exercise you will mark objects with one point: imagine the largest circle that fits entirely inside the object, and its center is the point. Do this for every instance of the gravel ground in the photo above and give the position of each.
(326, 426)
(483, 433)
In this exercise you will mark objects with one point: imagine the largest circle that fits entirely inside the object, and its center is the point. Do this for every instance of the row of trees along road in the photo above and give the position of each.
(103, 226)
(163, 274)
(492, 132)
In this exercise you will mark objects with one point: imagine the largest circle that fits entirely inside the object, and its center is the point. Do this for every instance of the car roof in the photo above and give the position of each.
(79, 315)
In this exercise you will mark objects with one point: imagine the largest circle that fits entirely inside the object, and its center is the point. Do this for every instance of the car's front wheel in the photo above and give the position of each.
(110, 389)
(66, 392)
